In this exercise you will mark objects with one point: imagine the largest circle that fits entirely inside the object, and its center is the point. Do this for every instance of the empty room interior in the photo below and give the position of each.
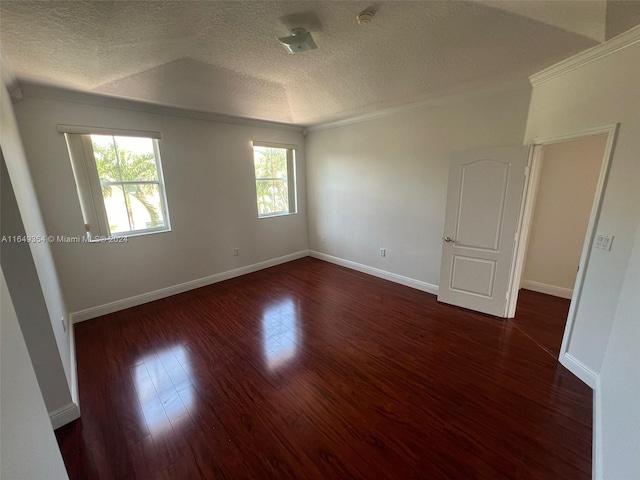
(327, 239)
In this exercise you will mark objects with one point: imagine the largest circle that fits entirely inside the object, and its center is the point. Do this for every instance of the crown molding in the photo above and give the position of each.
(429, 103)
(100, 100)
(609, 47)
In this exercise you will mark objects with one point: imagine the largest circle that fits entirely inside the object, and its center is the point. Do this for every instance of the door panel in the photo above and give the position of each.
(483, 203)
(483, 189)
(473, 275)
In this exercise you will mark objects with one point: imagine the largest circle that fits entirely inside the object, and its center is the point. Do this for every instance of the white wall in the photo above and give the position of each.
(620, 382)
(24, 286)
(59, 385)
(28, 448)
(601, 92)
(567, 185)
(605, 334)
(382, 183)
(208, 172)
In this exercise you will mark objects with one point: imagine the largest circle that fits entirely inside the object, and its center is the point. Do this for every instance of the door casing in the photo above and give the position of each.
(525, 226)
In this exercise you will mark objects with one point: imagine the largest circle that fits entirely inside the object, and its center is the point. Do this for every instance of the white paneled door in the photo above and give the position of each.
(483, 207)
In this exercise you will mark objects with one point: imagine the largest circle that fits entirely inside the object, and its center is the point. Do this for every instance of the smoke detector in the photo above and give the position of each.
(364, 18)
(299, 41)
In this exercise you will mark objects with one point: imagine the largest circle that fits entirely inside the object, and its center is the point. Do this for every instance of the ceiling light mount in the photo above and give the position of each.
(365, 17)
(299, 41)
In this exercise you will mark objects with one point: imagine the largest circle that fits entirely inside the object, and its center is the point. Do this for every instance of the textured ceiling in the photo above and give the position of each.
(223, 57)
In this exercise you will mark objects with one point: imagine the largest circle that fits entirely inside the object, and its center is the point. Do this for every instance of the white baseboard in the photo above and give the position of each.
(548, 289)
(579, 369)
(75, 395)
(376, 272)
(64, 415)
(111, 307)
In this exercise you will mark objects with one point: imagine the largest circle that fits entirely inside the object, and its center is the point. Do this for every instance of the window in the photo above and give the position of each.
(275, 179)
(119, 182)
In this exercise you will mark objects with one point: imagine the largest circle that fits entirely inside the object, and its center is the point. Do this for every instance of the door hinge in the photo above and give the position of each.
(527, 169)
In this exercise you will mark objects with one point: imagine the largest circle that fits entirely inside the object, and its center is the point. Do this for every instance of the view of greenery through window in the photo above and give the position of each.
(272, 190)
(129, 180)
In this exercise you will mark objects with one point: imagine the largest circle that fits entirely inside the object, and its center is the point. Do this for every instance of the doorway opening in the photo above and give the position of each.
(559, 212)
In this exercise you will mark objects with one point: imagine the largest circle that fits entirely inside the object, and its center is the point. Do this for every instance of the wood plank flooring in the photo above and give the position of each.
(542, 318)
(308, 370)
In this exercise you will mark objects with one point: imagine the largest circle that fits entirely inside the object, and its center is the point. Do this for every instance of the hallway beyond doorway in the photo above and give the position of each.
(542, 318)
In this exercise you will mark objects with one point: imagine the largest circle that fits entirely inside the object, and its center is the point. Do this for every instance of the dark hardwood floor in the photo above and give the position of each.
(542, 318)
(309, 370)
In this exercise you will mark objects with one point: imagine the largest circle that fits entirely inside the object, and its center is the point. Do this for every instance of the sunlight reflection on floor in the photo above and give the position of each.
(280, 333)
(164, 388)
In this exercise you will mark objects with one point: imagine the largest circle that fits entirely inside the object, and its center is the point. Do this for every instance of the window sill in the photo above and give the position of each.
(275, 215)
(123, 237)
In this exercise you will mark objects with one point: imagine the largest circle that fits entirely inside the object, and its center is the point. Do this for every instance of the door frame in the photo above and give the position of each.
(526, 211)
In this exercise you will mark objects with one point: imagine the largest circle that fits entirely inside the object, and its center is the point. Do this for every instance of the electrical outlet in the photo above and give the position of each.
(236, 251)
(383, 252)
(64, 324)
(324, 239)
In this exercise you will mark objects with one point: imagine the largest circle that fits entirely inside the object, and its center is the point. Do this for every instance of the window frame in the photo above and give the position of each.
(89, 186)
(292, 190)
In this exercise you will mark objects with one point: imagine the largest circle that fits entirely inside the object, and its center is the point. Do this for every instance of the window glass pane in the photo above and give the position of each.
(104, 152)
(270, 162)
(133, 207)
(145, 209)
(271, 180)
(265, 200)
(273, 196)
(129, 207)
(124, 158)
(280, 195)
(116, 207)
(136, 158)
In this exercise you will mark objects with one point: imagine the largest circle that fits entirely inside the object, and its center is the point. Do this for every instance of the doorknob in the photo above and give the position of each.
(448, 239)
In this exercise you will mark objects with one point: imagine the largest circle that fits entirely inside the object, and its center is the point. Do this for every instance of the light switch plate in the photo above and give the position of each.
(603, 242)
